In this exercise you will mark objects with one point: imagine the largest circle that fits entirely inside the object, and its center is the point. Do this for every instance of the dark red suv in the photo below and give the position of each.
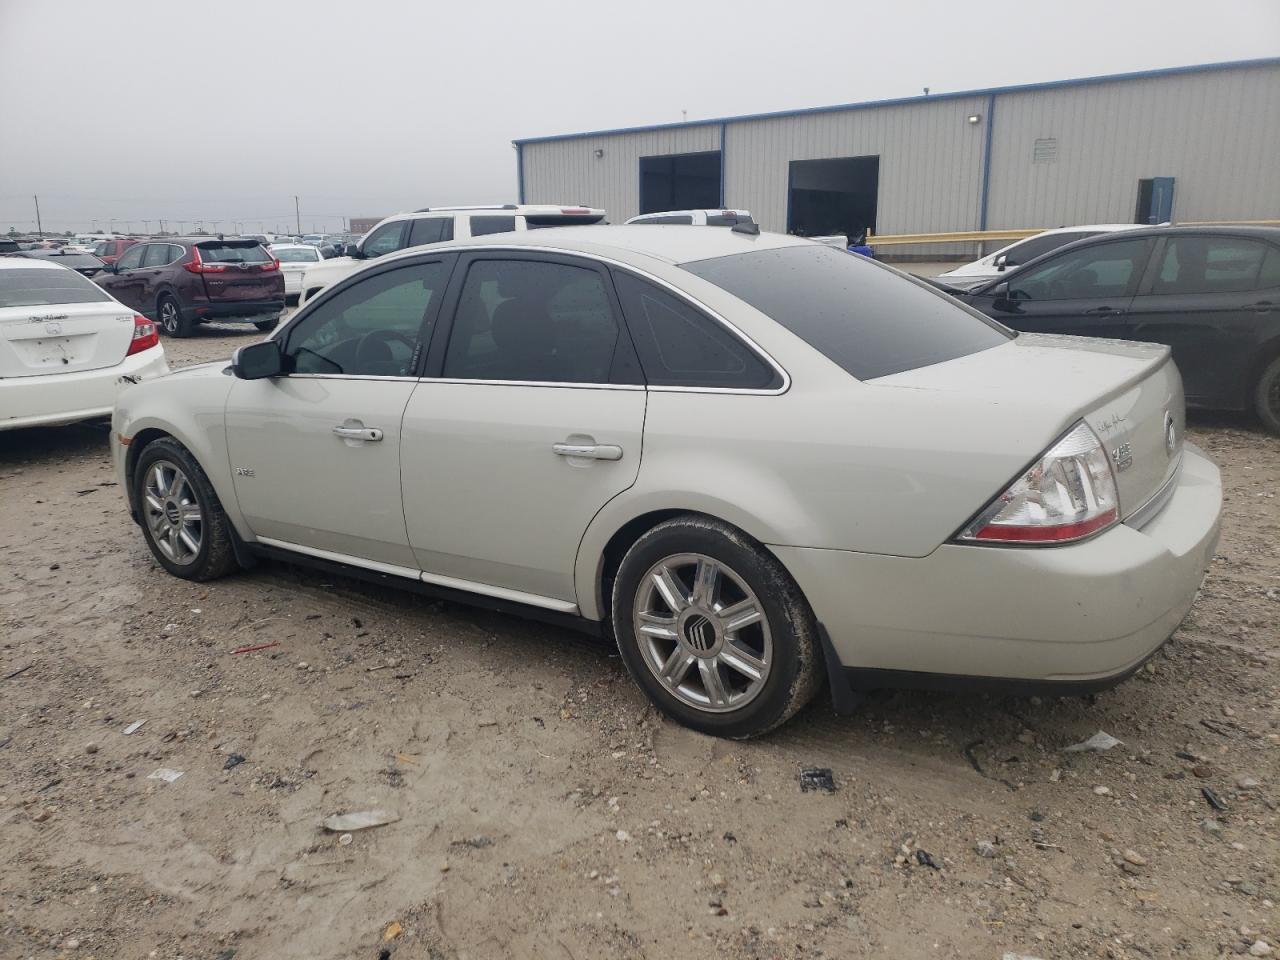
(185, 282)
(108, 251)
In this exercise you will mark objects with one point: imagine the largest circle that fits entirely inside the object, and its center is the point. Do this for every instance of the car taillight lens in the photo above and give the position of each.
(269, 267)
(144, 335)
(197, 264)
(1068, 494)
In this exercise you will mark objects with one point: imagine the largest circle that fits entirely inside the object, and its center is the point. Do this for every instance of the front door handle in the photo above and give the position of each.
(1104, 312)
(358, 433)
(588, 451)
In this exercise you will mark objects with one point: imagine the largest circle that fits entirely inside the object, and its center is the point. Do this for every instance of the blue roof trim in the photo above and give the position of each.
(983, 92)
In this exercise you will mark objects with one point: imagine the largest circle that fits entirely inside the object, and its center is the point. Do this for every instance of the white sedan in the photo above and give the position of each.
(294, 259)
(66, 345)
(752, 460)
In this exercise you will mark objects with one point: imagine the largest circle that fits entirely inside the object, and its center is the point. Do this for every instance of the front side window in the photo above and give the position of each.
(370, 329)
(38, 287)
(386, 239)
(532, 320)
(868, 318)
(680, 346)
(430, 230)
(481, 226)
(1212, 265)
(132, 257)
(1097, 271)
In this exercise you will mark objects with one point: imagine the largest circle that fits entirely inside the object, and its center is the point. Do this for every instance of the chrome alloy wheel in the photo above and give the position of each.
(172, 512)
(703, 632)
(169, 316)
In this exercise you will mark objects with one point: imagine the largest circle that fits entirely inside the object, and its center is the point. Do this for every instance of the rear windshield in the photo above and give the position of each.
(728, 219)
(33, 287)
(231, 252)
(310, 255)
(535, 220)
(868, 318)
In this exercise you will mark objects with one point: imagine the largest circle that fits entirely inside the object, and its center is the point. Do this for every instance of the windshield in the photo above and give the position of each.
(35, 287)
(309, 255)
(231, 252)
(868, 318)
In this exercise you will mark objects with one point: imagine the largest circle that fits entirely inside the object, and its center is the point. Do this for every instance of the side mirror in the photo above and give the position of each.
(352, 250)
(1002, 262)
(110, 268)
(258, 361)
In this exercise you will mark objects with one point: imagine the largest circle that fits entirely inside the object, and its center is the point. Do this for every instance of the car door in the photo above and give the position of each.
(154, 270)
(1084, 290)
(126, 283)
(387, 238)
(1214, 299)
(315, 454)
(529, 420)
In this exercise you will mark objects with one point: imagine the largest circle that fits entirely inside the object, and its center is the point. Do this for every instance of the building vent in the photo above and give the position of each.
(1045, 151)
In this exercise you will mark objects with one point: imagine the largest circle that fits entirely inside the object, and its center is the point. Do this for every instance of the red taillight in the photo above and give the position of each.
(144, 335)
(1011, 533)
(269, 267)
(197, 265)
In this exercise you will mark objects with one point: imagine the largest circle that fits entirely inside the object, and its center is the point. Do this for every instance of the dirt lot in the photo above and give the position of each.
(546, 811)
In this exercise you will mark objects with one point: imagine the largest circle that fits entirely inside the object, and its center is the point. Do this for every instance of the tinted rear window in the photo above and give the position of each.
(480, 226)
(868, 318)
(535, 220)
(37, 288)
(727, 219)
(227, 252)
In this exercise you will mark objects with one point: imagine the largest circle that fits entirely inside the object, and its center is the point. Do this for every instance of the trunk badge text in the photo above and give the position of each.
(244, 472)
(1123, 457)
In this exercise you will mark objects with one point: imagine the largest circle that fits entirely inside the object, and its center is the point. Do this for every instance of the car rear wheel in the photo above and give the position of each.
(182, 519)
(713, 628)
(267, 325)
(172, 322)
(1267, 396)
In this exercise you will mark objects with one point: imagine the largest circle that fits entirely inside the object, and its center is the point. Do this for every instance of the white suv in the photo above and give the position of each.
(696, 218)
(436, 225)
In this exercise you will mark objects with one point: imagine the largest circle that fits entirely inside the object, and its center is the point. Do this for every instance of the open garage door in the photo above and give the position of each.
(682, 181)
(837, 195)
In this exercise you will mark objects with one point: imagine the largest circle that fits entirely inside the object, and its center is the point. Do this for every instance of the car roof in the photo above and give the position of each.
(291, 246)
(23, 263)
(1098, 227)
(707, 210)
(668, 242)
(1261, 232)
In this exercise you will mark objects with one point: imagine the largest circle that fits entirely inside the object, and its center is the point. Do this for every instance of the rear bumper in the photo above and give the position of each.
(247, 310)
(70, 397)
(1082, 616)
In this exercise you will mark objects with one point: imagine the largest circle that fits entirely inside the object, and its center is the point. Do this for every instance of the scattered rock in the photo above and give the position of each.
(90, 748)
(1137, 859)
(40, 816)
(1246, 783)
(1102, 791)
(345, 839)
(1211, 826)
(233, 761)
(817, 778)
(1260, 948)
(623, 836)
(986, 848)
(1100, 742)
(925, 859)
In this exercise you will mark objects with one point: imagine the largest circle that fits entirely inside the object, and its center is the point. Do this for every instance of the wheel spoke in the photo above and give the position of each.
(704, 583)
(743, 661)
(174, 537)
(153, 502)
(653, 625)
(741, 614)
(677, 666)
(670, 590)
(190, 512)
(712, 683)
(190, 542)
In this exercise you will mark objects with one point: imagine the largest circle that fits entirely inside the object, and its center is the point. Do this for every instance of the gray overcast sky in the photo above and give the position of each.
(223, 109)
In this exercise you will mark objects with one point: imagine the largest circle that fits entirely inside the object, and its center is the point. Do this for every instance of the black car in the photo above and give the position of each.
(1210, 293)
(83, 263)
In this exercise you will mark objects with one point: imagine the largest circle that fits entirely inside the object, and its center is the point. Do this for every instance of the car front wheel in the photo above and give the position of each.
(713, 628)
(182, 519)
(172, 322)
(1267, 396)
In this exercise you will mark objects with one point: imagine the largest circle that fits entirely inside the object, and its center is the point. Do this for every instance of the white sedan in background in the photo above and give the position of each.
(971, 275)
(294, 259)
(66, 345)
(756, 463)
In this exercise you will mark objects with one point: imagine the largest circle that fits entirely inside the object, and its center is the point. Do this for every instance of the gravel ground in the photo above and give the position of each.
(546, 811)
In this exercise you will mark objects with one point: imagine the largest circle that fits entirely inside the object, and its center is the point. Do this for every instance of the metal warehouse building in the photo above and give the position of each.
(1187, 143)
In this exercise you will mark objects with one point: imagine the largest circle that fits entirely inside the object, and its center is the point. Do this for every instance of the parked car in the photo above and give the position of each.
(294, 259)
(108, 251)
(9, 246)
(751, 460)
(1024, 251)
(696, 218)
(436, 225)
(65, 346)
(1210, 293)
(182, 283)
(83, 263)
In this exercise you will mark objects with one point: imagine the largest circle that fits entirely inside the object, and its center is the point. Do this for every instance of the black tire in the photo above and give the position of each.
(266, 326)
(795, 667)
(1266, 396)
(170, 318)
(215, 556)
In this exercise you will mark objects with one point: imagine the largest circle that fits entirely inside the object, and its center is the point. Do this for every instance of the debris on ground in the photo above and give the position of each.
(817, 778)
(393, 930)
(478, 842)
(1100, 742)
(165, 774)
(1213, 799)
(233, 761)
(363, 820)
(133, 727)
(925, 859)
(254, 647)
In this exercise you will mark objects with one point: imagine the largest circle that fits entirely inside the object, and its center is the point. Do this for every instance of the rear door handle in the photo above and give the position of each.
(588, 451)
(1105, 312)
(358, 433)
(1264, 306)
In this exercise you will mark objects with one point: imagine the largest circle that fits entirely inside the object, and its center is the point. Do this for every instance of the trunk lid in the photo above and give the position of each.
(238, 270)
(63, 338)
(1130, 394)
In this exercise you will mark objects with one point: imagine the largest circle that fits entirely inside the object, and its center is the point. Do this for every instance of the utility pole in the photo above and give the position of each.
(297, 215)
(39, 225)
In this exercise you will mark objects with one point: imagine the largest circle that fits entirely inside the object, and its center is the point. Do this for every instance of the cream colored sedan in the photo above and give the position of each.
(757, 463)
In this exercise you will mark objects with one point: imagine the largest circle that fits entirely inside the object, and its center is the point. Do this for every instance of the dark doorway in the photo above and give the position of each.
(682, 181)
(833, 196)
(1155, 201)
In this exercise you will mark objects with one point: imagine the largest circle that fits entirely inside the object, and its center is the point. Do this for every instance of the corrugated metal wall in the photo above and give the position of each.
(1216, 131)
(568, 171)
